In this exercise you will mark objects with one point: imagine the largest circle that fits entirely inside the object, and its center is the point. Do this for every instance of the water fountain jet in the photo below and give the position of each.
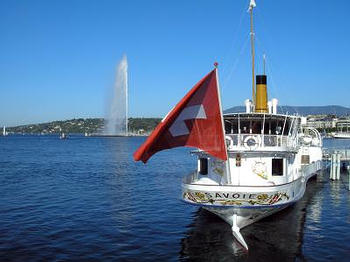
(116, 121)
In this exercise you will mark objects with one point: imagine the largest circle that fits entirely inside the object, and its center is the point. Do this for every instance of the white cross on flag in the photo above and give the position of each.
(196, 121)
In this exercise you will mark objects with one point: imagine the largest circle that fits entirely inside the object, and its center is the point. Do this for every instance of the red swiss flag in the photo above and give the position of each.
(196, 121)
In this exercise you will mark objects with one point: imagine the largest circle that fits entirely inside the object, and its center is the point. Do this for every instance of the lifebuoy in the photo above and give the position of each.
(251, 142)
(306, 139)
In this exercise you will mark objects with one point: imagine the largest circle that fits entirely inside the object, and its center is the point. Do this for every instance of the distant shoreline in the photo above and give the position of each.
(88, 126)
(70, 135)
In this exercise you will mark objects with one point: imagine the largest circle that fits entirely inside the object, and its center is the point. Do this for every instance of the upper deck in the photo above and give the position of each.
(262, 132)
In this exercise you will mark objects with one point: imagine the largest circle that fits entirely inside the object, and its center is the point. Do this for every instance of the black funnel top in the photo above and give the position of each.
(261, 80)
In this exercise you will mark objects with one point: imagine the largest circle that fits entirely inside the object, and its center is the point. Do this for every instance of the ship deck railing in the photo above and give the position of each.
(261, 142)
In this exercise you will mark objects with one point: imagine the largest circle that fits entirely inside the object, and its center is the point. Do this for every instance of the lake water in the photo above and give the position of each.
(85, 199)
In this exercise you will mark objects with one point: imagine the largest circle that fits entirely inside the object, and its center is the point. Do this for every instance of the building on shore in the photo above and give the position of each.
(328, 122)
(343, 125)
(322, 121)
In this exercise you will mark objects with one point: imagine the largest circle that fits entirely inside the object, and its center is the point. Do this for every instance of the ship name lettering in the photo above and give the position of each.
(208, 195)
(236, 195)
(252, 196)
(226, 195)
(229, 195)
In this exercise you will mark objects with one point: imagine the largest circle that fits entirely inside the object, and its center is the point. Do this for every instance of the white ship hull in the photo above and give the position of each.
(241, 206)
(342, 135)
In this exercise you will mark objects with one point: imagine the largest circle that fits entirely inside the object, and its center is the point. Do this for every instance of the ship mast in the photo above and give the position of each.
(251, 6)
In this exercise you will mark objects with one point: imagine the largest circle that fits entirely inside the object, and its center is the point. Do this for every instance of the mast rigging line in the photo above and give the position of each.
(235, 64)
(231, 49)
(274, 86)
(259, 46)
(236, 32)
(269, 71)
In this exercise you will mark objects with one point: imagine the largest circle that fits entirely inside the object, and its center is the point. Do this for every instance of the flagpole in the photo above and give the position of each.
(228, 172)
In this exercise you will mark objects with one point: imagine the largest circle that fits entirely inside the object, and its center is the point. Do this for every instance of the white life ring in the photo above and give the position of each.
(306, 139)
(251, 142)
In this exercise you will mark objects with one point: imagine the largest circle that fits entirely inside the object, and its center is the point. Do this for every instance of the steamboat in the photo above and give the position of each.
(271, 156)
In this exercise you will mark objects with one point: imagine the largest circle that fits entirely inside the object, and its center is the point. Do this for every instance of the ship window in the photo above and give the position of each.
(267, 127)
(203, 166)
(228, 127)
(234, 127)
(277, 167)
(305, 159)
(276, 127)
(287, 127)
(245, 127)
(256, 127)
(231, 127)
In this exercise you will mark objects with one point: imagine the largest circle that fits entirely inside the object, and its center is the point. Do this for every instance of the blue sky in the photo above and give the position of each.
(58, 58)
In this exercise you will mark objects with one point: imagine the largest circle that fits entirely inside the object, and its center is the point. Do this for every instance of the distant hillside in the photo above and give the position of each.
(81, 125)
(302, 110)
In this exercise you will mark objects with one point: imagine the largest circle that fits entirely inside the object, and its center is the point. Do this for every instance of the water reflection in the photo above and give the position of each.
(208, 237)
(275, 238)
(315, 206)
(327, 222)
(334, 193)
